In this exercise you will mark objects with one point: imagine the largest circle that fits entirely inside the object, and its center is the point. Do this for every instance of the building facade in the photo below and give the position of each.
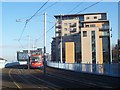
(90, 34)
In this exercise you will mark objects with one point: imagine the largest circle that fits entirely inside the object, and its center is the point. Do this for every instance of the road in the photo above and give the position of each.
(20, 78)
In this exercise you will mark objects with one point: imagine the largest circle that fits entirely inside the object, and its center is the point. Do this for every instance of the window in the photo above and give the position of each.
(93, 47)
(71, 17)
(64, 18)
(86, 25)
(65, 29)
(65, 34)
(84, 33)
(92, 25)
(81, 25)
(87, 18)
(59, 22)
(95, 17)
(72, 29)
(81, 18)
(65, 24)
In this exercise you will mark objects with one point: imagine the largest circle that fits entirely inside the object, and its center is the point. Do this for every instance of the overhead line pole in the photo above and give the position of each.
(44, 44)
(61, 43)
(28, 51)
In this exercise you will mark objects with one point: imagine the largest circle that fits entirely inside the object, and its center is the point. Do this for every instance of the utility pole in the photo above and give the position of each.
(44, 44)
(28, 51)
(110, 45)
(61, 42)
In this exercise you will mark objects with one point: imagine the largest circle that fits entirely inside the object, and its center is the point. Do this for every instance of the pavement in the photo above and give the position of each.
(19, 77)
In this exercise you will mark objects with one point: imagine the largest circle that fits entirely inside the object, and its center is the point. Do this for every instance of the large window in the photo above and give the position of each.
(93, 47)
(106, 49)
(84, 33)
(81, 18)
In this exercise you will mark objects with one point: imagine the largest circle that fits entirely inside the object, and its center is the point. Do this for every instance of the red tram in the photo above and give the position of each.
(36, 61)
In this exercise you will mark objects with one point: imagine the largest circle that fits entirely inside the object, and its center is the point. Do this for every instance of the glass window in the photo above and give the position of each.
(59, 22)
(65, 34)
(86, 25)
(71, 17)
(70, 23)
(65, 29)
(87, 18)
(81, 18)
(92, 25)
(65, 24)
(95, 17)
(84, 33)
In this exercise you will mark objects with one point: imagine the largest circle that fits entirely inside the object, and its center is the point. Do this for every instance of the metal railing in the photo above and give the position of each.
(103, 69)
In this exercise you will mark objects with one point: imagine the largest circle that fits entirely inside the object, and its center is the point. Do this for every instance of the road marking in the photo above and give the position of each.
(13, 79)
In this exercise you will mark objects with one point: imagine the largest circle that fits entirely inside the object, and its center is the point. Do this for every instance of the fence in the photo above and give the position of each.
(2, 64)
(103, 69)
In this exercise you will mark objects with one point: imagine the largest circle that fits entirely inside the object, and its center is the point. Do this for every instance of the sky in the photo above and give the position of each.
(11, 30)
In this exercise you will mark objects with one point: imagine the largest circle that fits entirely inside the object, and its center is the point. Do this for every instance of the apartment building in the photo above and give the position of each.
(90, 34)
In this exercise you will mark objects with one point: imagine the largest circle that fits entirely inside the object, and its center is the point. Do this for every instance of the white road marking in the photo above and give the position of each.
(13, 79)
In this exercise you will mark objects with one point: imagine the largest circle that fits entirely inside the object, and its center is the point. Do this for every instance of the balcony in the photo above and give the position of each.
(81, 25)
(104, 28)
(73, 25)
(59, 26)
(105, 34)
(73, 30)
(59, 31)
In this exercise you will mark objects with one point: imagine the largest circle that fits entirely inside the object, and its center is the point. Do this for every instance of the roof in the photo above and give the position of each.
(79, 14)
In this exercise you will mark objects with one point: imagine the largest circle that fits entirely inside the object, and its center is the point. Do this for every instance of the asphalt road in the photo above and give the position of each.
(20, 78)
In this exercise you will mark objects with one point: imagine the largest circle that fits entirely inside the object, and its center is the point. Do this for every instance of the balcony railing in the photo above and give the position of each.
(104, 28)
(59, 31)
(105, 34)
(73, 25)
(59, 26)
(72, 30)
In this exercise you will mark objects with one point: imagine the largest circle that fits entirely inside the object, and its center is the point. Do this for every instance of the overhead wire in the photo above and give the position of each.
(27, 20)
(89, 6)
(43, 34)
(31, 18)
(81, 10)
(75, 7)
(49, 6)
(68, 12)
(38, 10)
